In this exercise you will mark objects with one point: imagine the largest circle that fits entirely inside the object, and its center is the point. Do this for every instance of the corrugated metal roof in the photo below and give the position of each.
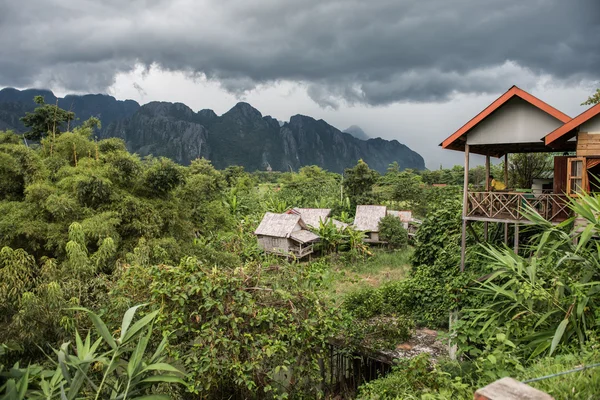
(367, 217)
(278, 225)
(304, 236)
(312, 216)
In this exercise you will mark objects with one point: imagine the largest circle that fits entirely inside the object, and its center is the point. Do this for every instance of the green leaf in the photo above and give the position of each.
(585, 236)
(100, 326)
(23, 384)
(127, 318)
(162, 367)
(558, 335)
(164, 378)
(492, 358)
(139, 325)
(153, 397)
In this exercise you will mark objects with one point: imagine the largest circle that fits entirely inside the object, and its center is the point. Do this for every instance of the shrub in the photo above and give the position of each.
(416, 378)
(392, 232)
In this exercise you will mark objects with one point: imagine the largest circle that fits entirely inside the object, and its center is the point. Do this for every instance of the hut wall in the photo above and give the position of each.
(273, 244)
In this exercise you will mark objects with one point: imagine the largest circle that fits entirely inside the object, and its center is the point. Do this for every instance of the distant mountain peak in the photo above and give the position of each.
(244, 109)
(357, 132)
(241, 136)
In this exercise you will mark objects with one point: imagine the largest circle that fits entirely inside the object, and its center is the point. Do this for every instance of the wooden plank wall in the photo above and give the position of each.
(588, 144)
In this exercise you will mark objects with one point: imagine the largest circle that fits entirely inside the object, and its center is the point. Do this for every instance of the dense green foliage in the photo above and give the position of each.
(88, 225)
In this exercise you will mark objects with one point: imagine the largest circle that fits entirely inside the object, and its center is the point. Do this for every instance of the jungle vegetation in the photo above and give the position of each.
(127, 277)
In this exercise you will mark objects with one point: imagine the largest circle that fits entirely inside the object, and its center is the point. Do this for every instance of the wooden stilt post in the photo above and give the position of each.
(487, 189)
(506, 183)
(465, 210)
(506, 170)
(516, 238)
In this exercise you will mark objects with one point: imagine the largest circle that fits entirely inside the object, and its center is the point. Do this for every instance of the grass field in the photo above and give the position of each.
(384, 266)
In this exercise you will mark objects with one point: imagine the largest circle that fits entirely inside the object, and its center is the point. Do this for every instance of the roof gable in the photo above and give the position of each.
(565, 131)
(312, 216)
(457, 140)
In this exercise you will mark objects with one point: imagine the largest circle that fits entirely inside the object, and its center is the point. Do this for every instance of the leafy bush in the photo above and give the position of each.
(239, 331)
(416, 378)
(392, 231)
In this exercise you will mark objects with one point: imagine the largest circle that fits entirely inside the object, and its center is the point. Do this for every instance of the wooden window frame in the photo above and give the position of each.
(582, 177)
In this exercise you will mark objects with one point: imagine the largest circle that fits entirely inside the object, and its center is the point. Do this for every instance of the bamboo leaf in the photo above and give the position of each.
(540, 349)
(558, 335)
(162, 367)
(164, 378)
(585, 236)
(127, 318)
(23, 384)
(100, 326)
(139, 325)
(544, 317)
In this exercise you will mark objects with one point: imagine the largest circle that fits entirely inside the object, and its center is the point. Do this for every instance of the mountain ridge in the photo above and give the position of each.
(240, 136)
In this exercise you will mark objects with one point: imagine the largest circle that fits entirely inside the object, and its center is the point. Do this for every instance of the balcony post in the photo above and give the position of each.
(487, 189)
(463, 243)
(506, 183)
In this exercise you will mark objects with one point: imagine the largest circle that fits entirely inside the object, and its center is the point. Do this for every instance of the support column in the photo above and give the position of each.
(516, 241)
(465, 210)
(506, 183)
(487, 189)
(506, 170)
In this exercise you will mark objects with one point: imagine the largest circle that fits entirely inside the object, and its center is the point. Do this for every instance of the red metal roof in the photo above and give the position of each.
(572, 124)
(453, 142)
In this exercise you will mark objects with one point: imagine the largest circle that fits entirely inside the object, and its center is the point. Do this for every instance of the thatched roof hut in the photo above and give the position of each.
(367, 217)
(285, 234)
(279, 225)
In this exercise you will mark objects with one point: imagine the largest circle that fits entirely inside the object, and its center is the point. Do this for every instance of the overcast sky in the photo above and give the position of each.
(414, 71)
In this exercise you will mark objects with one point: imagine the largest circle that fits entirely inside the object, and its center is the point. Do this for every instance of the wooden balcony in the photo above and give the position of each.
(508, 207)
(302, 251)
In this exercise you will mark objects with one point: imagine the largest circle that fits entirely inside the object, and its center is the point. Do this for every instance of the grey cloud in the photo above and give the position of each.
(373, 52)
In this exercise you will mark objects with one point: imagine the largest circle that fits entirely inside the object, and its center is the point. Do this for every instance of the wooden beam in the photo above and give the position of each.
(506, 169)
(487, 173)
(487, 189)
(516, 244)
(463, 243)
(506, 233)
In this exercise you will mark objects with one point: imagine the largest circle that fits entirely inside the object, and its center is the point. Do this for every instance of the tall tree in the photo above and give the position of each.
(524, 168)
(593, 99)
(358, 183)
(46, 119)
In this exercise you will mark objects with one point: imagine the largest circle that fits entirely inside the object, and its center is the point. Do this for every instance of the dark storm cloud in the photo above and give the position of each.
(373, 52)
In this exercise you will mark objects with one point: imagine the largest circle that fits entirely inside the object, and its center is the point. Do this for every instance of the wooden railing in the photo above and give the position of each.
(509, 206)
(301, 252)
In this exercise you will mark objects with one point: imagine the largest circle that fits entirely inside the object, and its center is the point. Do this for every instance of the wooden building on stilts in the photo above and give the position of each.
(518, 122)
